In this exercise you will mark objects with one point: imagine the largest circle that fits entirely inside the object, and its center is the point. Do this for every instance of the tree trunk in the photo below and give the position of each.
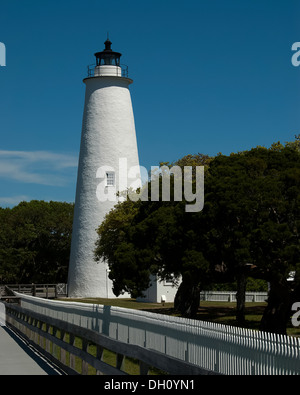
(278, 310)
(187, 299)
(241, 298)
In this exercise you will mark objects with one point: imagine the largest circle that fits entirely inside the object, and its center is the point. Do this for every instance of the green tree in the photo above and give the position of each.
(275, 239)
(129, 266)
(249, 227)
(35, 242)
(141, 238)
(253, 198)
(228, 204)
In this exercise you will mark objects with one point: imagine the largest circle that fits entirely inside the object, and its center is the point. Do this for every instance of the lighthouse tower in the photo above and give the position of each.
(108, 151)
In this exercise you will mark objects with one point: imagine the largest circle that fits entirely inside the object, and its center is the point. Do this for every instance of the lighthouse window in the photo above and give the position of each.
(110, 179)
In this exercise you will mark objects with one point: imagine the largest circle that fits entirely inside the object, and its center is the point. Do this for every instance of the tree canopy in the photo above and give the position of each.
(254, 200)
(35, 240)
(249, 226)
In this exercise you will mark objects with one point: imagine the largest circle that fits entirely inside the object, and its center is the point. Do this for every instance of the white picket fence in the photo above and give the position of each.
(230, 296)
(224, 349)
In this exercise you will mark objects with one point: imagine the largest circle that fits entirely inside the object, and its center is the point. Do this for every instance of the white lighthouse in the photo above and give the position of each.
(108, 150)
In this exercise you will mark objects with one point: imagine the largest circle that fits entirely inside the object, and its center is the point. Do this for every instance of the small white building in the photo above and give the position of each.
(160, 291)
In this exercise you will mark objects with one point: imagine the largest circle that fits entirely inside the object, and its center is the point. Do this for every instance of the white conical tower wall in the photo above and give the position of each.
(108, 135)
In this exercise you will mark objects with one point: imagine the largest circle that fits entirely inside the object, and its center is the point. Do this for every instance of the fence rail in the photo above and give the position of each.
(220, 348)
(57, 339)
(230, 296)
(40, 290)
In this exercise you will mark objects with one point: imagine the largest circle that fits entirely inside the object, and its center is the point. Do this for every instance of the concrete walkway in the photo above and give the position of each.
(17, 358)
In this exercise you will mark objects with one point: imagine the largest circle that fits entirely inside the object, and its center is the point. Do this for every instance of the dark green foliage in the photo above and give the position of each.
(253, 200)
(249, 227)
(35, 240)
(142, 238)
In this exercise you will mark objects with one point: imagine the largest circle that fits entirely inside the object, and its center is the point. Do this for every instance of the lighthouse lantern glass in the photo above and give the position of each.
(108, 59)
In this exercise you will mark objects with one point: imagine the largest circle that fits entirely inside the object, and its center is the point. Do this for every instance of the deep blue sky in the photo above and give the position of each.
(209, 76)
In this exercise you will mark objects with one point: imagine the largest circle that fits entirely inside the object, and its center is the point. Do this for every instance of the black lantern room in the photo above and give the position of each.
(108, 57)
